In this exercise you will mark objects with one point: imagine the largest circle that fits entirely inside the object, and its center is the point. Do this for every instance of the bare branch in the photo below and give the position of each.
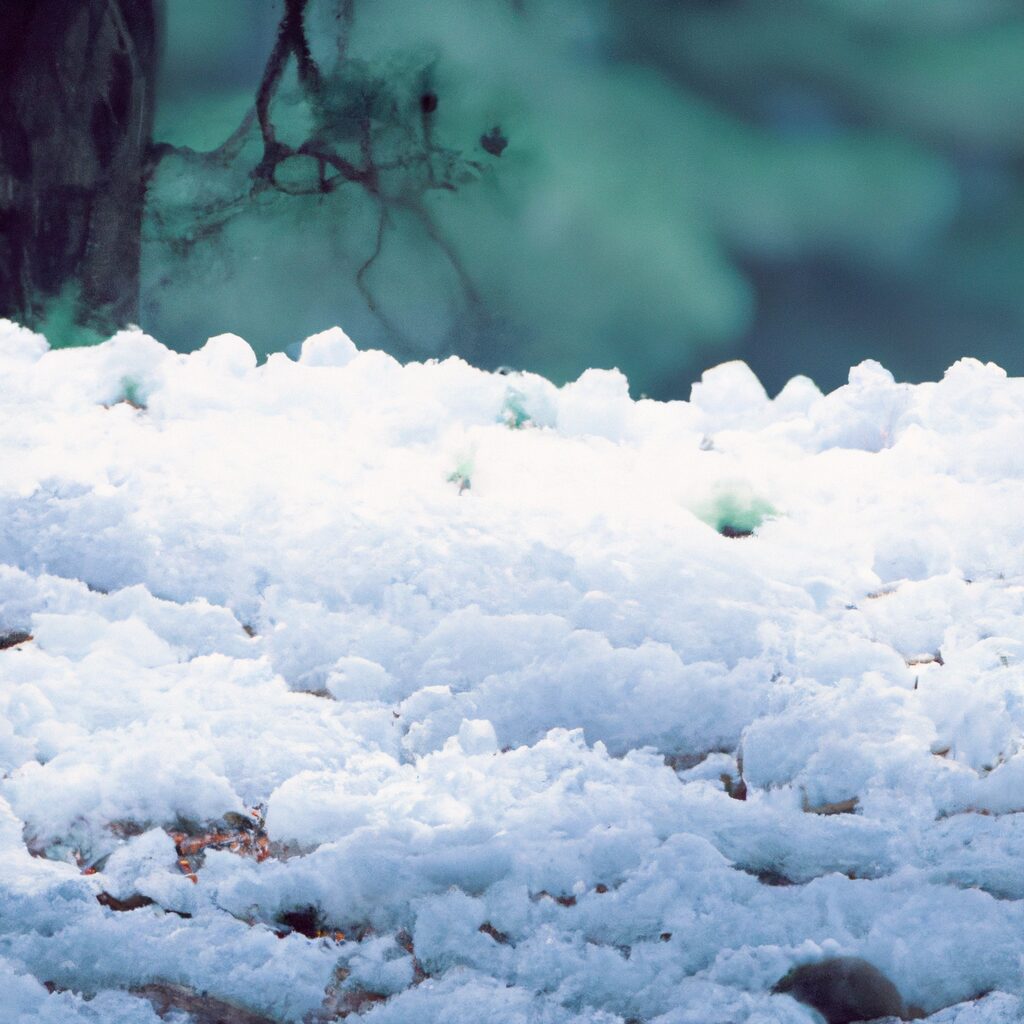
(344, 18)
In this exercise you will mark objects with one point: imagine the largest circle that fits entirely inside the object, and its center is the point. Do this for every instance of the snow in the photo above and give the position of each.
(476, 660)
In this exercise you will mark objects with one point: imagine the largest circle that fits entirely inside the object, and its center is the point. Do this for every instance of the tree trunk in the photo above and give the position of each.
(76, 109)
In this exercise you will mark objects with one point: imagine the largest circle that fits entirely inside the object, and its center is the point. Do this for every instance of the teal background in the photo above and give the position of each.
(799, 183)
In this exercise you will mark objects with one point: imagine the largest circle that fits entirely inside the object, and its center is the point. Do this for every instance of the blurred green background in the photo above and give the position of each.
(652, 185)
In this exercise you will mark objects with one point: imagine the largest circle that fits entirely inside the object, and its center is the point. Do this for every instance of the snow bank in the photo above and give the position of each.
(427, 693)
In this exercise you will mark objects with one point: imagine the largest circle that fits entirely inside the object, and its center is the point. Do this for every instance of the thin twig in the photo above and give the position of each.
(468, 288)
(344, 17)
(364, 290)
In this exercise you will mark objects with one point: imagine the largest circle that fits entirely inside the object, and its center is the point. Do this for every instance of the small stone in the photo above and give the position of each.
(844, 990)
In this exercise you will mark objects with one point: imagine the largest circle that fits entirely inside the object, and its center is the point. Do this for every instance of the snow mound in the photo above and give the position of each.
(339, 686)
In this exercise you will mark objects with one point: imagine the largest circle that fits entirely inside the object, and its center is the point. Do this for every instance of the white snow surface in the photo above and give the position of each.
(505, 684)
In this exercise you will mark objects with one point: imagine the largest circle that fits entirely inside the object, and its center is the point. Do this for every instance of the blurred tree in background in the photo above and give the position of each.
(943, 78)
(554, 184)
(76, 105)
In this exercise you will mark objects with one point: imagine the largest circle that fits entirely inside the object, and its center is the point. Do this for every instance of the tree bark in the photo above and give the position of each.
(76, 109)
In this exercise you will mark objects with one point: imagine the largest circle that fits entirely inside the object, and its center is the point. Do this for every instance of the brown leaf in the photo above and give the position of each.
(563, 901)
(133, 902)
(500, 937)
(839, 807)
(203, 1008)
(736, 788)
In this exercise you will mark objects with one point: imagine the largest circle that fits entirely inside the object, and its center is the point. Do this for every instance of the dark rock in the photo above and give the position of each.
(768, 876)
(734, 531)
(843, 989)
(14, 639)
(304, 920)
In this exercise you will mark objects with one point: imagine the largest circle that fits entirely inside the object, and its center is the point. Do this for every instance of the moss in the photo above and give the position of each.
(131, 392)
(513, 410)
(462, 475)
(735, 511)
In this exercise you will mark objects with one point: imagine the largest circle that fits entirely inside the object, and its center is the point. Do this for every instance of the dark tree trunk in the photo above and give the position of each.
(76, 108)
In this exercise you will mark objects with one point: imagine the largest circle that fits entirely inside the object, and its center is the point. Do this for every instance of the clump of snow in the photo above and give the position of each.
(427, 693)
(332, 347)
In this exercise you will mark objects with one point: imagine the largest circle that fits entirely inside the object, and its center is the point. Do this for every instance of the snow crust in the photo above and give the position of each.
(484, 652)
